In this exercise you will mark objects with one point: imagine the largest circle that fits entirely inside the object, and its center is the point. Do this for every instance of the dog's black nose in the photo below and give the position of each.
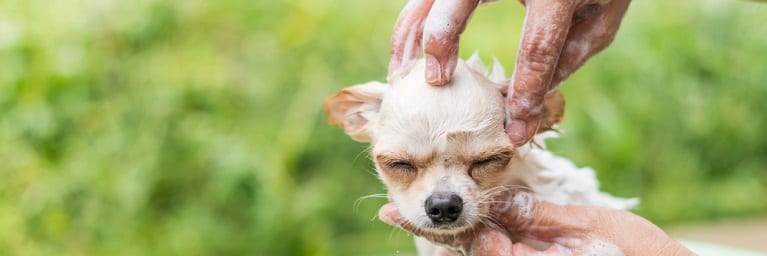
(443, 208)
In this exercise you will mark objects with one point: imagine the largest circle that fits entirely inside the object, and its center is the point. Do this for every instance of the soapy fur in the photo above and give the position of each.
(441, 131)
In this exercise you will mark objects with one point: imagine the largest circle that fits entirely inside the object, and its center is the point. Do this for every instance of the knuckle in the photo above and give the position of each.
(530, 88)
(603, 39)
(607, 38)
(538, 57)
(441, 48)
(443, 38)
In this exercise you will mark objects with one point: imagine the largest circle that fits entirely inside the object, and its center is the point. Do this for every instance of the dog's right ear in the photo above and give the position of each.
(354, 107)
(553, 111)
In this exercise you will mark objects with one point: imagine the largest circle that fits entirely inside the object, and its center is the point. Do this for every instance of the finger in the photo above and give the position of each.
(491, 243)
(522, 129)
(389, 214)
(527, 216)
(545, 31)
(520, 249)
(588, 37)
(447, 20)
(408, 32)
(444, 252)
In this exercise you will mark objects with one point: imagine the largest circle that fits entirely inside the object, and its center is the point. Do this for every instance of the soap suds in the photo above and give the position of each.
(440, 20)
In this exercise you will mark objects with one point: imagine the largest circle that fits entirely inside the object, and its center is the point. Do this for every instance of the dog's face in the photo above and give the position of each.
(442, 151)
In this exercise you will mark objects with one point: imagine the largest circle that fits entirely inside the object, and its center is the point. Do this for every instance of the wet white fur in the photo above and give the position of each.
(415, 117)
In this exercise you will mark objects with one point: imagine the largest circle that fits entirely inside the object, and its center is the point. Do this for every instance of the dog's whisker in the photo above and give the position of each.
(500, 189)
(491, 202)
(504, 188)
(486, 223)
(489, 221)
(392, 231)
(358, 202)
(366, 151)
(509, 187)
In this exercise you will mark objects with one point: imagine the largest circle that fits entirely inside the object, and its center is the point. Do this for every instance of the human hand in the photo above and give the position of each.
(571, 230)
(435, 26)
(558, 37)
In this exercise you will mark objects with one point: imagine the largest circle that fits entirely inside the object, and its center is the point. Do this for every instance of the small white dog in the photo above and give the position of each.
(442, 151)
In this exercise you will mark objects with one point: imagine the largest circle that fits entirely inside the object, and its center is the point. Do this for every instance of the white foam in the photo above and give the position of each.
(440, 22)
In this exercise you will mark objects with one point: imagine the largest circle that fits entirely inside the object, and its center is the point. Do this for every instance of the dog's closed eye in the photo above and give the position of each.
(484, 162)
(489, 163)
(401, 165)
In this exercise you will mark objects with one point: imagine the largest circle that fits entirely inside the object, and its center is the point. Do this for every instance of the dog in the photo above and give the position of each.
(442, 151)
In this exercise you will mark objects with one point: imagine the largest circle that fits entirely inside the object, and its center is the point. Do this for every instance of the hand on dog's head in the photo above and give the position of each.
(442, 151)
(355, 106)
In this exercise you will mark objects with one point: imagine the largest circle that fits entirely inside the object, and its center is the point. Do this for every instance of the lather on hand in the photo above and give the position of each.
(571, 230)
(558, 38)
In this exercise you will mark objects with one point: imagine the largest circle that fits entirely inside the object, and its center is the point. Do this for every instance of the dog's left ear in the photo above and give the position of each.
(553, 111)
(354, 107)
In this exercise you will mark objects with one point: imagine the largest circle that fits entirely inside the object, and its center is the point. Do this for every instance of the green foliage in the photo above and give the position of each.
(157, 127)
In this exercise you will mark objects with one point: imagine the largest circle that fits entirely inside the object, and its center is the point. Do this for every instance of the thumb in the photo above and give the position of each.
(492, 243)
(389, 214)
(520, 131)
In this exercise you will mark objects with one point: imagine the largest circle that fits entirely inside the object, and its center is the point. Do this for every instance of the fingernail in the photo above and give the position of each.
(433, 70)
(447, 72)
(516, 131)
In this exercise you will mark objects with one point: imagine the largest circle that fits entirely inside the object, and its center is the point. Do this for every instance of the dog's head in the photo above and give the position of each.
(442, 151)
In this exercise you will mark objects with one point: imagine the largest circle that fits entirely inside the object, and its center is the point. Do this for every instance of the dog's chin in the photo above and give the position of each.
(459, 226)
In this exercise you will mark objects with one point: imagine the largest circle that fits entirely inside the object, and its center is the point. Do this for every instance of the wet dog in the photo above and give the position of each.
(443, 153)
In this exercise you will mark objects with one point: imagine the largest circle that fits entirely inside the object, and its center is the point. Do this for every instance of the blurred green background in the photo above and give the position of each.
(157, 127)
